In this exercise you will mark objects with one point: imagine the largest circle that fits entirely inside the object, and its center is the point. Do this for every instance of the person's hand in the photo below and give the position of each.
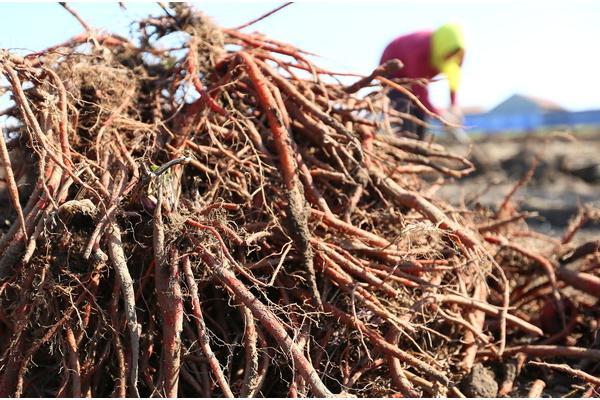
(453, 115)
(456, 113)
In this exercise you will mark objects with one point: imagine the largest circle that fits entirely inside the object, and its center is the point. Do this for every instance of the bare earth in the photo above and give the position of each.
(567, 177)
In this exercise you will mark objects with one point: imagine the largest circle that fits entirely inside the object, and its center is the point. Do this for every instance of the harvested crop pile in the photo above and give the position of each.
(205, 212)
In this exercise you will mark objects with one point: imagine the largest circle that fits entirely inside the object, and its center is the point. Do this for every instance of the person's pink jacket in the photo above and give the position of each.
(414, 50)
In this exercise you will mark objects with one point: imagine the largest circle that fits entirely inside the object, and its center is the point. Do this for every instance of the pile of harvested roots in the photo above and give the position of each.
(205, 212)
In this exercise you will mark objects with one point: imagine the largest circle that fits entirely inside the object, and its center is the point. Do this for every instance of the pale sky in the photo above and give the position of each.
(547, 49)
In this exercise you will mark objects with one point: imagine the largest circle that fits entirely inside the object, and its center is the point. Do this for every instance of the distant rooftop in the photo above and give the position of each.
(518, 103)
(546, 104)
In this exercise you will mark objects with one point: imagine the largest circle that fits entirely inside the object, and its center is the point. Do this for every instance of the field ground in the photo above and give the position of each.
(567, 176)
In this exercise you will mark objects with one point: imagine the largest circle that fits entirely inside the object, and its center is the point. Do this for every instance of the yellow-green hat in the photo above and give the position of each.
(446, 40)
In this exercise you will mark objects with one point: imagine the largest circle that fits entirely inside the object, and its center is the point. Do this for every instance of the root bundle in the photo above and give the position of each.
(205, 212)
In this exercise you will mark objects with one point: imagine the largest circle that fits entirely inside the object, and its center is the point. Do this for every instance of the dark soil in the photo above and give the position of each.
(566, 177)
(481, 382)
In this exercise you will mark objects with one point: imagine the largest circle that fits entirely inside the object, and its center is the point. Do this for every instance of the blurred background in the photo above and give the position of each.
(538, 49)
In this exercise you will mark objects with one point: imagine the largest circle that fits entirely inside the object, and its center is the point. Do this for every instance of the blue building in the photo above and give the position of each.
(525, 113)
